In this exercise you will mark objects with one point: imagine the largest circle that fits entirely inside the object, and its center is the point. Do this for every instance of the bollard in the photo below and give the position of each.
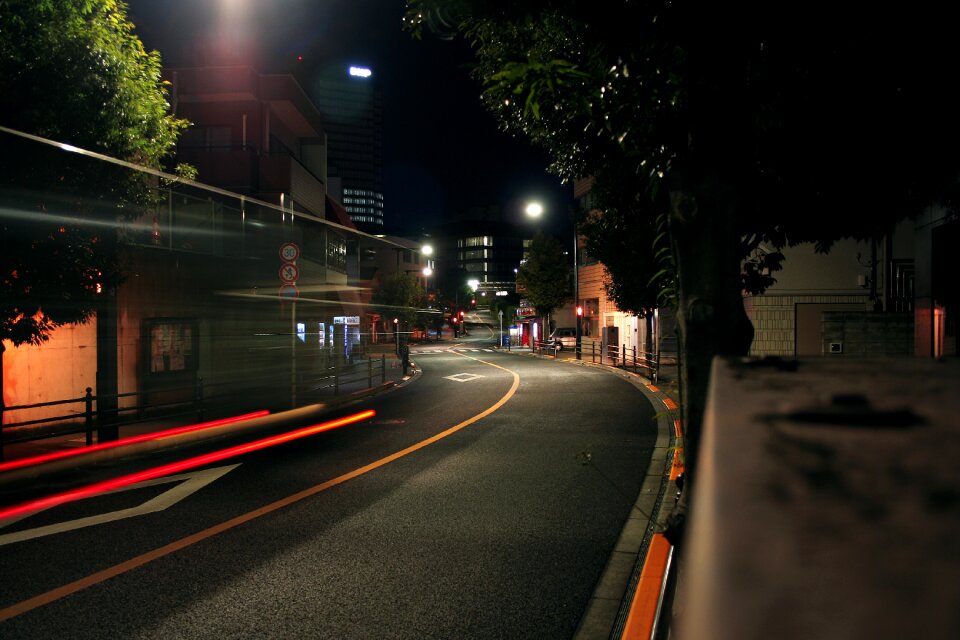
(383, 368)
(369, 373)
(336, 379)
(88, 415)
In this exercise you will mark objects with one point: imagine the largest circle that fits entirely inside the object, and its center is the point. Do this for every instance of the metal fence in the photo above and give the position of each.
(83, 414)
(619, 356)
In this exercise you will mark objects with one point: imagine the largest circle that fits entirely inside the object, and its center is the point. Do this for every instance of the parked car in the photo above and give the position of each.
(564, 338)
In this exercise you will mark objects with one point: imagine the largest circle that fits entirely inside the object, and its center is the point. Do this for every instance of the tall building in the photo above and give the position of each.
(352, 110)
(485, 246)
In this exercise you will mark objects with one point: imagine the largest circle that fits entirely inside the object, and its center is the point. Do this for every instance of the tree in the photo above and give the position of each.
(71, 71)
(398, 295)
(740, 124)
(545, 275)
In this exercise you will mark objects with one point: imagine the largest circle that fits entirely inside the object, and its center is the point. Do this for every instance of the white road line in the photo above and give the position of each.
(463, 377)
(188, 483)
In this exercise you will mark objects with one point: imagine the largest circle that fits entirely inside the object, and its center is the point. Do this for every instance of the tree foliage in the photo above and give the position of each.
(745, 126)
(74, 72)
(545, 275)
(398, 295)
(809, 117)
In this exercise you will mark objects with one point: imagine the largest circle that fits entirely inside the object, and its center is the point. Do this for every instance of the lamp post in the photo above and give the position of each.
(535, 210)
(427, 272)
(576, 290)
(396, 332)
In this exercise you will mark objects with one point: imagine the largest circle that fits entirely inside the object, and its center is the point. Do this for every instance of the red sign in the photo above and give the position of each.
(289, 273)
(289, 252)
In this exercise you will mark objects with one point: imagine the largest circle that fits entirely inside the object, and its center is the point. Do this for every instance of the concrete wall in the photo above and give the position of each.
(774, 319)
(61, 368)
(867, 334)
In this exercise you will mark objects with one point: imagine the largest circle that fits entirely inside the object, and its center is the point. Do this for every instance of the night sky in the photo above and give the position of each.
(442, 152)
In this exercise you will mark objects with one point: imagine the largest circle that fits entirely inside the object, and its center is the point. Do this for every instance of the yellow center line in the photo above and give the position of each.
(118, 569)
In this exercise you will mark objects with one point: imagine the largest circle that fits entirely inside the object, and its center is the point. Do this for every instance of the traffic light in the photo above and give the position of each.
(461, 314)
(579, 310)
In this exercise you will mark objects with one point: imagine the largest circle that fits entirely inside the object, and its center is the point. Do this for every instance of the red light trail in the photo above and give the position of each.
(176, 467)
(59, 455)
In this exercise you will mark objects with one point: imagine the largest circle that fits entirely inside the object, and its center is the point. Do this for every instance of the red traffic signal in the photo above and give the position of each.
(461, 314)
(453, 319)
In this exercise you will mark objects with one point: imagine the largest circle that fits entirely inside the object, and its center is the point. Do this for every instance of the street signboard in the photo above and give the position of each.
(289, 273)
(289, 252)
(289, 292)
(348, 320)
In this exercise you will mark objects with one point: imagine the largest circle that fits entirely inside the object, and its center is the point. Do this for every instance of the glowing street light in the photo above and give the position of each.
(535, 210)
(426, 250)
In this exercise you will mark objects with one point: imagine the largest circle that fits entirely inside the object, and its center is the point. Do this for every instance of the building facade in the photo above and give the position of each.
(351, 107)
(603, 324)
(488, 250)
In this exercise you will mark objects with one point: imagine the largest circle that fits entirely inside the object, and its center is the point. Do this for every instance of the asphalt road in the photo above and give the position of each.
(498, 527)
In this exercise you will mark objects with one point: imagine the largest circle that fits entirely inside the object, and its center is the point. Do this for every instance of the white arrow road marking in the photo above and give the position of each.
(188, 483)
(463, 377)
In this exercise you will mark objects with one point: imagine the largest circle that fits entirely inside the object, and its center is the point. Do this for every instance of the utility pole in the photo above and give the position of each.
(500, 314)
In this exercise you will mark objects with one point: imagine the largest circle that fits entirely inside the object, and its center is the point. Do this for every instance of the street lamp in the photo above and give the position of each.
(427, 272)
(534, 209)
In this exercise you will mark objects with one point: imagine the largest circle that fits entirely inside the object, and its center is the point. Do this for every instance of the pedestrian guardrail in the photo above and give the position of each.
(332, 378)
(102, 413)
(622, 357)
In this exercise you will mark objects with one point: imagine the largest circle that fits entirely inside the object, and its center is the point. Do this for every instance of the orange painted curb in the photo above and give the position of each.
(677, 467)
(643, 609)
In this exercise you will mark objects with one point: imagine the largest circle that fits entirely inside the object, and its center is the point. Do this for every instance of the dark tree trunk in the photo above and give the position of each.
(711, 319)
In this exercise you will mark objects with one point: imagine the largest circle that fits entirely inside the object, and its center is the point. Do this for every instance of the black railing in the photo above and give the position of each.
(193, 400)
(619, 356)
(628, 358)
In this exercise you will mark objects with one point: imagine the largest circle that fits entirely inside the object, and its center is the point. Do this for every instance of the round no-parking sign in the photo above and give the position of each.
(289, 273)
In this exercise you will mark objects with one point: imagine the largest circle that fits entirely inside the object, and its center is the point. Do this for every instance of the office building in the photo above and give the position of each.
(352, 110)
